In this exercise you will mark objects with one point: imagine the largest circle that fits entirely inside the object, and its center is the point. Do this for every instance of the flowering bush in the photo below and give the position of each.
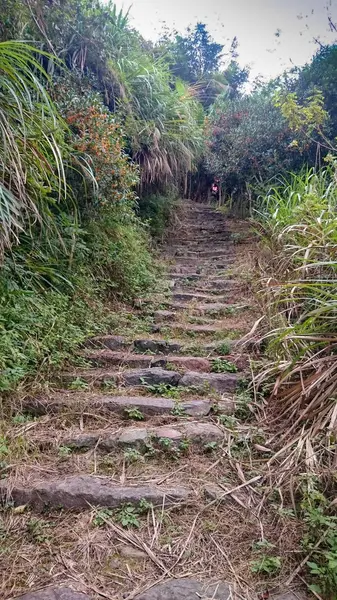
(98, 138)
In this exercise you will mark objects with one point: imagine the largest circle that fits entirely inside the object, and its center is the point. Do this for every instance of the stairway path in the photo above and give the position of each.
(141, 437)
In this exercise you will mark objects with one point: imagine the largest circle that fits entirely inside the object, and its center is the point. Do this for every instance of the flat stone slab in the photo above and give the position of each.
(132, 377)
(133, 360)
(109, 357)
(79, 491)
(157, 346)
(112, 342)
(148, 405)
(186, 589)
(221, 382)
(206, 329)
(190, 296)
(191, 363)
(140, 437)
(200, 309)
(55, 593)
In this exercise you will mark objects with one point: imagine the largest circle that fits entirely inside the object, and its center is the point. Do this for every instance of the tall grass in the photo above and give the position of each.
(298, 221)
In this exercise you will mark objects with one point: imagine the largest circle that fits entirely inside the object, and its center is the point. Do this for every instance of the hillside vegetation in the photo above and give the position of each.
(101, 134)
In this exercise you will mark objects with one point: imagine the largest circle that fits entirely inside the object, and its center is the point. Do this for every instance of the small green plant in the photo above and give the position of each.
(320, 539)
(243, 401)
(132, 455)
(39, 530)
(133, 412)
(163, 389)
(184, 446)
(22, 419)
(128, 516)
(64, 451)
(178, 410)
(224, 348)
(210, 446)
(228, 421)
(166, 443)
(221, 365)
(267, 565)
(101, 516)
(78, 384)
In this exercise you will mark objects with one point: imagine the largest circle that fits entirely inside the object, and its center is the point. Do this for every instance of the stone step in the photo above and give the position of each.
(132, 360)
(196, 433)
(201, 254)
(152, 346)
(148, 406)
(180, 328)
(81, 491)
(220, 382)
(220, 262)
(180, 295)
(213, 308)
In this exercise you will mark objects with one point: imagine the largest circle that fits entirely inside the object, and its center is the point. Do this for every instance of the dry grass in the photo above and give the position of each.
(185, 540)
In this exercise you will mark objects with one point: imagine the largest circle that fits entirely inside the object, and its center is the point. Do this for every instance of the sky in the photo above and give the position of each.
(273, 35)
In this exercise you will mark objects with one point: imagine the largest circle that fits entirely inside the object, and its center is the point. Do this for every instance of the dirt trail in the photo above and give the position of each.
(156, 430)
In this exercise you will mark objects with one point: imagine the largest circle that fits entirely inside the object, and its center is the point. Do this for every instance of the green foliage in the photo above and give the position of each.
(157, 210)
(40, 332)
(248, 140)
(303, 119)
(32, 144)
(119, 255)
(132, 455)
(320, 540)
(224, 348)
(320, 74)
(134, 413)
(164, 389)
(299, 222)
(128, 516)
(220, 365)
(39, 530)
(266, 565)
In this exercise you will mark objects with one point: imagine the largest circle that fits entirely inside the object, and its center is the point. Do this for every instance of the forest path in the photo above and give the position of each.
(143, 465)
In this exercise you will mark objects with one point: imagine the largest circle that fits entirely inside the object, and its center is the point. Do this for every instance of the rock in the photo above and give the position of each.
(156, 346)
(196, 408)
(108, 357)
(221, 382)
(132, 437)
(184, 362)
(112, 342)
(59, 593)
(186, 589)
(151, 376)
(196, 433)
(226, 406)
(202, 432)
(189, 296)
(79, 491)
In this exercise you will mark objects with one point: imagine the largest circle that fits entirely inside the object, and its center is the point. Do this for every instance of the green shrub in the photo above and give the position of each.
(157, 210)
(39, 332)
(119, 253)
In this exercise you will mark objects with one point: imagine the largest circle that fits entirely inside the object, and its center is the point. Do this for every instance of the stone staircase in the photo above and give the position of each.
(163, 398)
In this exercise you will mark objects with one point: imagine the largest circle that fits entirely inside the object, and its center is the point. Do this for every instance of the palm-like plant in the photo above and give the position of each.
(31, 143)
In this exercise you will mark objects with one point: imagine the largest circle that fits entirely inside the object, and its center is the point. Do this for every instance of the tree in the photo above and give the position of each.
(248, 141)
(195, 55)
(320, 74)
